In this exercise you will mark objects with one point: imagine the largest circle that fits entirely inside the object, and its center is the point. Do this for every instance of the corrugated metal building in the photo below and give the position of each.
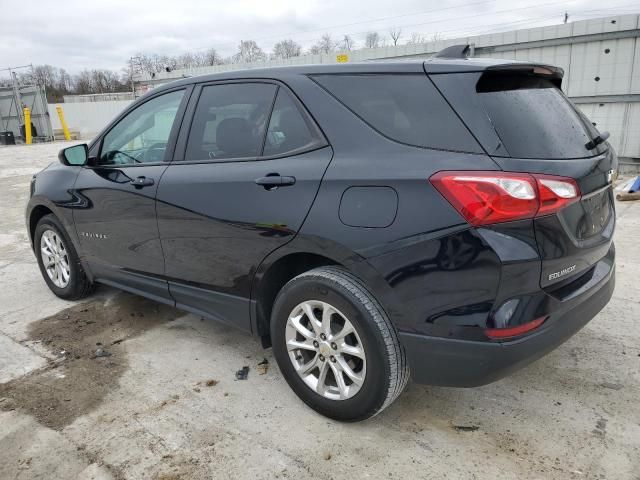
(601, 59)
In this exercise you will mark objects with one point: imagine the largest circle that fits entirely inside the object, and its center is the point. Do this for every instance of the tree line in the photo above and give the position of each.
(58, 82)
(249, 51)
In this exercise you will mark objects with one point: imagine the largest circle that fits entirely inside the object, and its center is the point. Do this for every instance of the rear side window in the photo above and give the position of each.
(288, 129)
(533, 118)
(230, 121)
(404, 108)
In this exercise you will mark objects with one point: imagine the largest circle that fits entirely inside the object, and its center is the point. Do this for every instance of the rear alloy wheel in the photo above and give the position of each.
(335, 345)
(325, 350)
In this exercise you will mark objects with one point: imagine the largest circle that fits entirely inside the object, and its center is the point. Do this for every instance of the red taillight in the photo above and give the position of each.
(501, 333)
(555, 193)
(484, 198)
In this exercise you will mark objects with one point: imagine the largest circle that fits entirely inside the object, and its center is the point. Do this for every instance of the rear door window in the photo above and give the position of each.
(406, 108)
(533, 118)
(230, 121)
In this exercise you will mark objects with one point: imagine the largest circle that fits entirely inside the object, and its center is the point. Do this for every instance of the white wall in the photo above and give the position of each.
(87, 118)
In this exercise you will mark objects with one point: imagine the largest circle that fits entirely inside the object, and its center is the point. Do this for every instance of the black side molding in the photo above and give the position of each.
(454, 51)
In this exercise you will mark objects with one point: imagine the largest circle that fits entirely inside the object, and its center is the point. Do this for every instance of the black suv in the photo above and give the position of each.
(452, 217)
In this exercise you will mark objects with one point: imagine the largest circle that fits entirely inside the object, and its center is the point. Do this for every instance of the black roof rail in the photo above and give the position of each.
(454, 51)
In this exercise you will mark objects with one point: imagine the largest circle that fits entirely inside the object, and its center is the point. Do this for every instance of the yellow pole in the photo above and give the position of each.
(27, 125)
(65, 129)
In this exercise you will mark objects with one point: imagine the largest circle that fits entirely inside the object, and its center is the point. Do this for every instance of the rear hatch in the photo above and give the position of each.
(525, 122)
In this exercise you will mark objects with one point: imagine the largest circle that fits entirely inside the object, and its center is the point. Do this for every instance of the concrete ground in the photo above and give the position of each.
(165, 404)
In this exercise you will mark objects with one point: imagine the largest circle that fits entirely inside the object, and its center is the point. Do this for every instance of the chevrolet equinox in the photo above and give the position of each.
(452, 218)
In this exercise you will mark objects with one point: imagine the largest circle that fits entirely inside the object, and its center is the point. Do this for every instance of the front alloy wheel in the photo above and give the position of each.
(55, 259)
(325, 350)
(58, 260)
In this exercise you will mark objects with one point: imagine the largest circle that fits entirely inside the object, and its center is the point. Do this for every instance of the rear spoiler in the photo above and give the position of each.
(456, 59)
(552, 74)
(543, 70)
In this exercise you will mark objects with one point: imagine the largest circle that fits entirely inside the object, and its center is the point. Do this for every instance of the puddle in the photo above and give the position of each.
(79, 380)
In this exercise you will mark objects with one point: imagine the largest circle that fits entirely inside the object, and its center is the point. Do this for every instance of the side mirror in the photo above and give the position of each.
(74, 156)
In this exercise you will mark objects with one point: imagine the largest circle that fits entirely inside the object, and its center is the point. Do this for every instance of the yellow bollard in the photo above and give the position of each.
(27, 126)
(65, 129)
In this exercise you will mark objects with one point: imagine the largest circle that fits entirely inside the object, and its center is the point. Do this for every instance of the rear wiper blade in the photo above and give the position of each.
(597, 141)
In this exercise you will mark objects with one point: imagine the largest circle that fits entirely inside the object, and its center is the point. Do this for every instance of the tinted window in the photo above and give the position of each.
(230, 121)
(405, 108)
(288, 128)
(533, 118)
(142, 135)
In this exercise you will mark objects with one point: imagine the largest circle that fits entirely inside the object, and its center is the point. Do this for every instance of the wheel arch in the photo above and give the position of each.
(272, 277)
(305, 253)
(39, 207)
(36, 213)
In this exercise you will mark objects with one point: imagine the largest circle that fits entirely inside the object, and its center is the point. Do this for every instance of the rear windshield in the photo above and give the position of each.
(533, 118)
(404, 108)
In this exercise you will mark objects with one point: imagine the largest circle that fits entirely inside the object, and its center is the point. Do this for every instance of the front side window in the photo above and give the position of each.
(142, 135)
(230, 121)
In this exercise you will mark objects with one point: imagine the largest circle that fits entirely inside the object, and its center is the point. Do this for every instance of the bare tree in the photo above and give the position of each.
(347, 43)
(436, 37)
(44, 75)
(372, 40)
(148, 63)
(324, 45)
(248, 51)
(395, 34)
(64, 81)
(286, 49)
(83, 83)
(168, 63)
(186, 60)
(211, 57)
(415, 38)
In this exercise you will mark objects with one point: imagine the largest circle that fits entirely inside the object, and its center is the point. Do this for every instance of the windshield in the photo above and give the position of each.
(533, 118)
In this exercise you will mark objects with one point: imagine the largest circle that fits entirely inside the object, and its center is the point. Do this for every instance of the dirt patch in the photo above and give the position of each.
(89, 341)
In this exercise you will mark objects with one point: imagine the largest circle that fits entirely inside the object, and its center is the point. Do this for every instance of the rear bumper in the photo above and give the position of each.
(463, 363)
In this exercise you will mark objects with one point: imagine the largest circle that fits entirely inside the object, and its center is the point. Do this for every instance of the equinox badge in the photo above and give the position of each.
(562, 273)
(101, 236)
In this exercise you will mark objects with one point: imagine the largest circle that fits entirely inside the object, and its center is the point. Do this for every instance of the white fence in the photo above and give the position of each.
(86, 118)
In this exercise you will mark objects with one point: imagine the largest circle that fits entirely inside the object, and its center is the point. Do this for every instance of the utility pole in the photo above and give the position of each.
(133, 86)
(566, 17)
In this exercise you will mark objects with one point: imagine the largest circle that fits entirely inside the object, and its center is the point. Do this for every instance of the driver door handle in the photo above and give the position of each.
(273, 181)
(140, 182)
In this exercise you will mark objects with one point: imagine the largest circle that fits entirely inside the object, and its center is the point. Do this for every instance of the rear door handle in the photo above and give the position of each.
(273, 181)
(140, 182)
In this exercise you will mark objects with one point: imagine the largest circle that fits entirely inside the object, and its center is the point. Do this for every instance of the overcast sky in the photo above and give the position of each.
(76, 34)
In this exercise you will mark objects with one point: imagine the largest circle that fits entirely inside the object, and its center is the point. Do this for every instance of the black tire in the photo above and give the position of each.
(387, 371)
(79, 285)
